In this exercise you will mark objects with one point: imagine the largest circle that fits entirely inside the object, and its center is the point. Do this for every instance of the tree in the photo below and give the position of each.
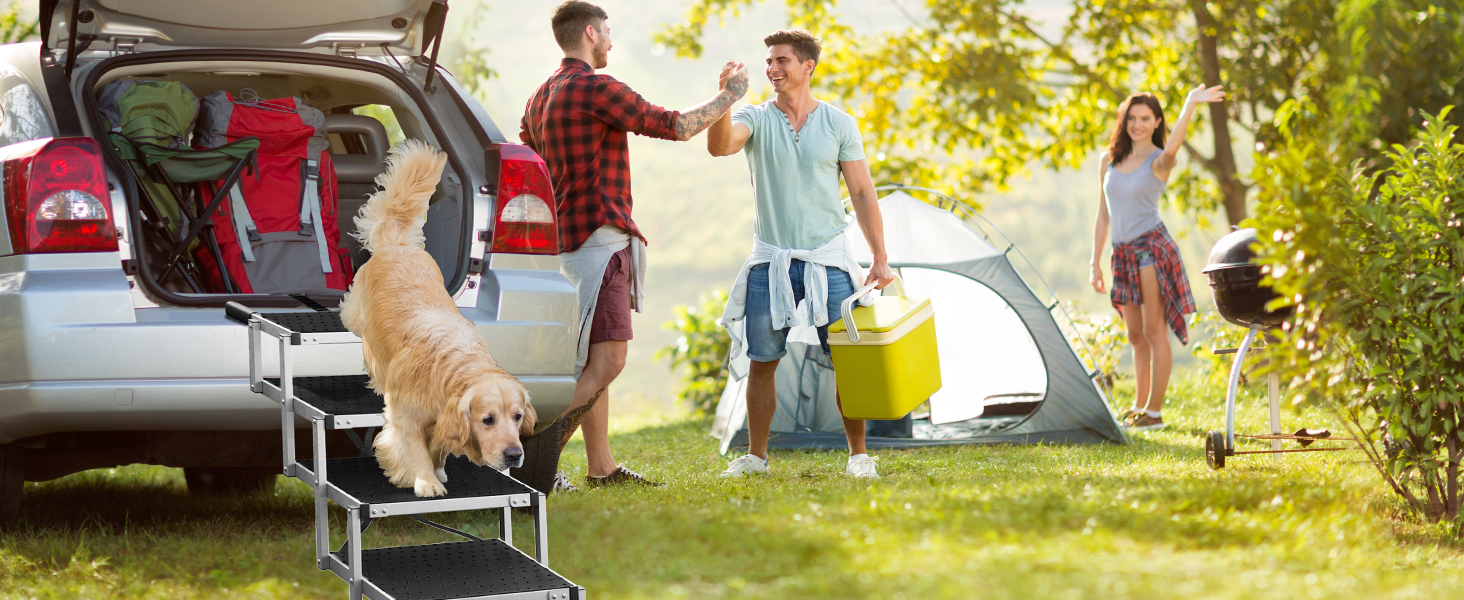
(968, 95)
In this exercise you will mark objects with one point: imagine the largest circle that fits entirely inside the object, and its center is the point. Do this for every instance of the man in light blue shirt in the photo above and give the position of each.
(796, 147)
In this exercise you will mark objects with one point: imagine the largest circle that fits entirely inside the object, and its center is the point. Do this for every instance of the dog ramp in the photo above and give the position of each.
(476, 568)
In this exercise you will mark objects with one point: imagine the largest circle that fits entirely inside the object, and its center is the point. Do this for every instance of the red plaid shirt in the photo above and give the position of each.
(1174, 288)
(577, 121)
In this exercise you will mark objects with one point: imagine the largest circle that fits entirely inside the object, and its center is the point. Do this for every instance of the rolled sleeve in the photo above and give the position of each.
(622, 108)
(747, 115)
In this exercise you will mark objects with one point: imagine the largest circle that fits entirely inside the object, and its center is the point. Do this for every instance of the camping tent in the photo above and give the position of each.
(1009, 373)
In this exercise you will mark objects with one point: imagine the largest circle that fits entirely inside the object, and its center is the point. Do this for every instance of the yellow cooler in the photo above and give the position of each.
(889, 364)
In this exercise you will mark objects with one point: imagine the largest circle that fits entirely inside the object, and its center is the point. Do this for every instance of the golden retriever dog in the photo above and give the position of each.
(444, 392)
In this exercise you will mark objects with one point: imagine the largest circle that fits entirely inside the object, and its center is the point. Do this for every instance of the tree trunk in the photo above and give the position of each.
(1451, 480)
(1223, 163)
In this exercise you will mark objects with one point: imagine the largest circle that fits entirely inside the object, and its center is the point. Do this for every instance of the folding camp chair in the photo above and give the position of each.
(161, 169)
(153, 120)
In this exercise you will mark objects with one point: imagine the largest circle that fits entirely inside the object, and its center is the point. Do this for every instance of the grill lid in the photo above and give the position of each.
(1233, 250)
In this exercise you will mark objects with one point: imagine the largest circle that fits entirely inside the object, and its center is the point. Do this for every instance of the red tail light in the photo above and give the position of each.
(526, 222)
(56, 196)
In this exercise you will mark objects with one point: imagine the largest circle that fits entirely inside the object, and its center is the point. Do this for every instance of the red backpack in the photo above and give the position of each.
(285, 209)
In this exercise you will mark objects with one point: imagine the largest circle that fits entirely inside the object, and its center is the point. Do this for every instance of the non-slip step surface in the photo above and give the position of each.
(337, 395)
(307, 322)
(455, 570)
(363, 479)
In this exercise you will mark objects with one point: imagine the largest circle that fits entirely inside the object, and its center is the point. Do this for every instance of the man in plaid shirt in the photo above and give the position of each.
(578, 122)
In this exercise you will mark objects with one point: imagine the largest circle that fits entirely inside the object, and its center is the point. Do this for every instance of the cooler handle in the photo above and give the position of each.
(846, 309)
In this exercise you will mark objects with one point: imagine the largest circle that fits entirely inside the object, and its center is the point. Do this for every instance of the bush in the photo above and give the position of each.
(700, 352)
(1105, 339)
(1373, 261)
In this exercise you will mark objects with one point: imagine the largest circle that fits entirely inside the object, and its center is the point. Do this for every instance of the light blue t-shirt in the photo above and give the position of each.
(795, 178)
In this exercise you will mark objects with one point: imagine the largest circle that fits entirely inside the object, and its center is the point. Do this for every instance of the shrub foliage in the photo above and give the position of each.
(1372, 257)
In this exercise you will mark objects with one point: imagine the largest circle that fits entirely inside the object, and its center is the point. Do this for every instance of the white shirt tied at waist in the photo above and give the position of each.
(785, 311)
(585, 269)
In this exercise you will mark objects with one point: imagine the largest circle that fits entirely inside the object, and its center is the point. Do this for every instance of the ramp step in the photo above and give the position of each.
(337, 395)
(307, 322)
(456, 570)
(363, 479)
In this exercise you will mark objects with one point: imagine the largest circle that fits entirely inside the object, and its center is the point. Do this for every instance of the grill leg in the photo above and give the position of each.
(1273, 383)
(1235, 369)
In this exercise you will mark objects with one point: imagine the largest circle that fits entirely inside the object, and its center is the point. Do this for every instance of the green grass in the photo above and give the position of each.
(1148, 520)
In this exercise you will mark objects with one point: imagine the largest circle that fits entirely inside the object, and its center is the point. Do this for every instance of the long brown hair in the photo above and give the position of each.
(1119, 144)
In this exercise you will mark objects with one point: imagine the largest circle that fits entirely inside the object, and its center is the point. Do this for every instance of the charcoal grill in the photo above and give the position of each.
(1240, 298)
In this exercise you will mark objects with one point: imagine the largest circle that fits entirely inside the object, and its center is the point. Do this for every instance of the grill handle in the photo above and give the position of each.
(846, 309)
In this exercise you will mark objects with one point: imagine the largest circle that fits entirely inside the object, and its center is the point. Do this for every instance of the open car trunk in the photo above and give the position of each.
(366, 106)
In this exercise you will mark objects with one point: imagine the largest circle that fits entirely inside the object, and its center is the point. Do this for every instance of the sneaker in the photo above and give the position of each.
(562, 484)
(620, 476)
(1144, 422)
(862, 466)
(744, 465)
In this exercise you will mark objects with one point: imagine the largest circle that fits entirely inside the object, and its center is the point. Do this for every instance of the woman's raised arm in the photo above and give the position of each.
(1170, 156)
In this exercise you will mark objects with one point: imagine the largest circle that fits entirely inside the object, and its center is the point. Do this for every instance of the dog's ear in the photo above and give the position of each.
(531, 417)
(454, 425)
(526, 428)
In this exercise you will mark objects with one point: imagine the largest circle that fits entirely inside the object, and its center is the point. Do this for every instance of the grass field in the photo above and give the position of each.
(1142, 521)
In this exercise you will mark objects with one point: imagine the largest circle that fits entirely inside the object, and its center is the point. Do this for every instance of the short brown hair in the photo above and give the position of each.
(805, 46)
(569, 22)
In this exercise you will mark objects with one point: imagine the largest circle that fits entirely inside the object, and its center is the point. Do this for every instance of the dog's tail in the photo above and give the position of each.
(394, 215)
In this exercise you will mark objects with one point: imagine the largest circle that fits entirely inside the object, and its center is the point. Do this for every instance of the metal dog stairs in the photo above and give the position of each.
(476, 568)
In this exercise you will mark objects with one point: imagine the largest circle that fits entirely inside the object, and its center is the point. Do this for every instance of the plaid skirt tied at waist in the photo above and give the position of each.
(1173, 283)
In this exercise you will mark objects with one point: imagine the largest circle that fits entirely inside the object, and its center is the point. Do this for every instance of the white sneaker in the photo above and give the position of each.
(562, 484)
(862, 466)
(744, 465)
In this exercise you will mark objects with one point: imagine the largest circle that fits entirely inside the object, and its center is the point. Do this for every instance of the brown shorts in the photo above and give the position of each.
(612, 307)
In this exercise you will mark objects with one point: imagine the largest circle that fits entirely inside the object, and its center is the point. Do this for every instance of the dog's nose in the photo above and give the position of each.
(514, 456)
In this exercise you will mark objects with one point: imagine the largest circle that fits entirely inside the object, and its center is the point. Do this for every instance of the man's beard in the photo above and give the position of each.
(601, 56)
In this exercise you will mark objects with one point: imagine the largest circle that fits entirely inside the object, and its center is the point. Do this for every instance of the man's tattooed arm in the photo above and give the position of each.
(696, 119)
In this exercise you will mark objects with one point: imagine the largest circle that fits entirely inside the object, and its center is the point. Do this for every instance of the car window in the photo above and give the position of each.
(22, 115)
(387, 116)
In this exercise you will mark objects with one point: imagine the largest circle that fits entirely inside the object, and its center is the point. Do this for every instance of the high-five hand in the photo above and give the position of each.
(731, 86)
(726, 74)
(1203, 94)
(733, 79)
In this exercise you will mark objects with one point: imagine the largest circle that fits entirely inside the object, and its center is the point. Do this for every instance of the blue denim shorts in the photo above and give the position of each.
(1146, 258)
(765, 344)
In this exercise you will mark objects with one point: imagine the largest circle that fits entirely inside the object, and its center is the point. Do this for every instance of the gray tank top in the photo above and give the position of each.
(1133, 201)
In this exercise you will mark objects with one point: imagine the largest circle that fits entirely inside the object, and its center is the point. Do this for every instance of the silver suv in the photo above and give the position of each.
(104, 364)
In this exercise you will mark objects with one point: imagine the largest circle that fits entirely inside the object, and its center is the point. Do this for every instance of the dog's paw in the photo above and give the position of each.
(441, 474)
(425, 488)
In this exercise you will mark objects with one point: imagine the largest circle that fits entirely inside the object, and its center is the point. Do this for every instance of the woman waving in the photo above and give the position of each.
(1150, 288)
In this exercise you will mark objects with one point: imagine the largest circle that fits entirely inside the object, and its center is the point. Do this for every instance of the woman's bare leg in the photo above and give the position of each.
(1156, 330)
(1133, 321)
